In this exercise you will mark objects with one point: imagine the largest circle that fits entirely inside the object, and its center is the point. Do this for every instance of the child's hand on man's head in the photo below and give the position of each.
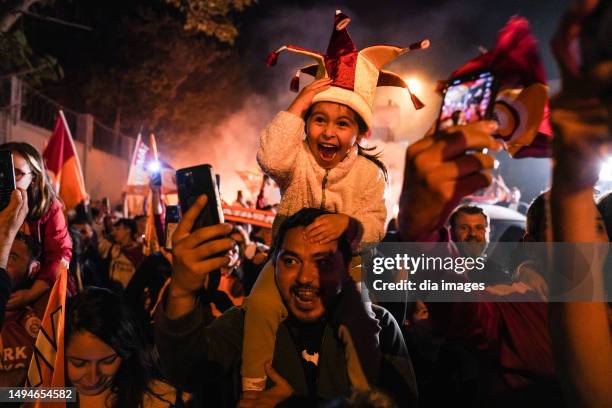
(302, 102)
(327, 228)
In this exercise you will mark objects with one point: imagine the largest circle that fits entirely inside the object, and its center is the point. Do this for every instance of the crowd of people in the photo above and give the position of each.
(233, 315)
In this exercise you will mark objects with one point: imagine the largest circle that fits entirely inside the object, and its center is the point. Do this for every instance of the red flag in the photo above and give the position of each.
(47, 365)
(63, 164)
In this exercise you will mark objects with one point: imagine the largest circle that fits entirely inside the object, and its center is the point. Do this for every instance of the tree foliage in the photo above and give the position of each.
(139, 66)
(18, 57)
(211, 17)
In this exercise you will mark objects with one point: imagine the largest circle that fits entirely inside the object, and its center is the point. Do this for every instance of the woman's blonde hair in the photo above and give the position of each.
(40, 192)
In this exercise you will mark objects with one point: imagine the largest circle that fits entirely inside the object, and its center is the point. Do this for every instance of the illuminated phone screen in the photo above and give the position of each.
(467, 100)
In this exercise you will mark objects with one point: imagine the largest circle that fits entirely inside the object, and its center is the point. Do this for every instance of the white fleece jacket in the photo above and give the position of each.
(355, 187)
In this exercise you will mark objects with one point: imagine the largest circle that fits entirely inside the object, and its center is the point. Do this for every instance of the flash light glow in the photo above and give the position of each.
(154, 166)
(605, 174)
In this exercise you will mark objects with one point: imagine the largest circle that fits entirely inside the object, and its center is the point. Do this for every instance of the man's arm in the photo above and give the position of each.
(188, 349)
(195, 255)
(438, 173)
(192, 352)
(580, 331)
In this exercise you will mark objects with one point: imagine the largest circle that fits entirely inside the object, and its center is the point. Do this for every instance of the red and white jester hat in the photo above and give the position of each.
(355, 74)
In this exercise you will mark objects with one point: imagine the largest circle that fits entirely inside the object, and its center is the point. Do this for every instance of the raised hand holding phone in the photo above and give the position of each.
(194, 181)
(196, 253)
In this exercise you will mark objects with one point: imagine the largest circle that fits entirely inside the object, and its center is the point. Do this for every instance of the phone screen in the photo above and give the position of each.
(7, 178)
(467, 100)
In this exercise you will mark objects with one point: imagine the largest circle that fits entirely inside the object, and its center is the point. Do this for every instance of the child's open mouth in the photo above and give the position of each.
(327, 151)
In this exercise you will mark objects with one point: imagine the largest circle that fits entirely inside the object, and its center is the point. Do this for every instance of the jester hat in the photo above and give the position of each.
(355, 74)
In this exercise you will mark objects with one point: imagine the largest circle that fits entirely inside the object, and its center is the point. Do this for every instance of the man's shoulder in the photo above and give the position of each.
(384, 317)
(233, 315)
(230, 323)
(391, 338)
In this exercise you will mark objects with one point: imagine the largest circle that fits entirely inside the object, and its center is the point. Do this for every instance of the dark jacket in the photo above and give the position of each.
(207, 358)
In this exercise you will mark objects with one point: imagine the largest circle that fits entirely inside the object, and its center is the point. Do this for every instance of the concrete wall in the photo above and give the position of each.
(105, 174)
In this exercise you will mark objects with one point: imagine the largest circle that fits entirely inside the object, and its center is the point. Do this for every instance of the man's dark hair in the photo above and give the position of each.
(536, 218)
(467, 209)
(128, 223)
(139, 217)
(304, 218)
(34, 247)
(95, 212)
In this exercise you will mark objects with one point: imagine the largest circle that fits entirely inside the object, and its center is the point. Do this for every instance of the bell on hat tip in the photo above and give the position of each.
(272, 59)
(295, 84)
(416, 102)
(342, 20)
(420, 45)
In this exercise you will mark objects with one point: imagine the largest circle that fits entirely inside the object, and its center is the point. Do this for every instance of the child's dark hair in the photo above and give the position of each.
(362, 151)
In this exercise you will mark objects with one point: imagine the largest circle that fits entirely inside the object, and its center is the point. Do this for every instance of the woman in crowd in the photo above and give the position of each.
(45, 222)
(106, 359)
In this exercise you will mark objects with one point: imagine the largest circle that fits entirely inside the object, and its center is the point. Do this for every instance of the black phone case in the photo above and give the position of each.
(7, 178)
(192, 182)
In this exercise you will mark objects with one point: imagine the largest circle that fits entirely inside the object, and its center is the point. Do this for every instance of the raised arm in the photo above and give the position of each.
(281, 141)
(439, 172)
(580, 331)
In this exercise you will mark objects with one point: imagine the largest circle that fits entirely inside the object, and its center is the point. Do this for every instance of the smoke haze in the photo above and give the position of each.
(456, 30)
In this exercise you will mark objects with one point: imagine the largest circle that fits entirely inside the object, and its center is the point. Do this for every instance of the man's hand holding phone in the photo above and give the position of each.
(11, 219)
(195, 255)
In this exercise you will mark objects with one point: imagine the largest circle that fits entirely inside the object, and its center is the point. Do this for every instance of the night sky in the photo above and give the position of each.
(241, 108)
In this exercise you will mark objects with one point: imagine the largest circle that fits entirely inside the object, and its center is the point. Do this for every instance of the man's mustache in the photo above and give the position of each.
(301, 287)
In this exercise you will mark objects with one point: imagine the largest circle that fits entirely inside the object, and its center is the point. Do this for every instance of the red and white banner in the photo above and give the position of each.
(243, 215)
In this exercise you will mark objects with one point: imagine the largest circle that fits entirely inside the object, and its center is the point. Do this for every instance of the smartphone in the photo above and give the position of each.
(468, 99)
(173, 216)
(7, 178)
(191, 183)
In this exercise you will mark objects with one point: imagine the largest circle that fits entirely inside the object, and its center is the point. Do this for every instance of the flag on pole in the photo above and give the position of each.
(47, 364)
(151, 239)
(138, 176)
(63, 164)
